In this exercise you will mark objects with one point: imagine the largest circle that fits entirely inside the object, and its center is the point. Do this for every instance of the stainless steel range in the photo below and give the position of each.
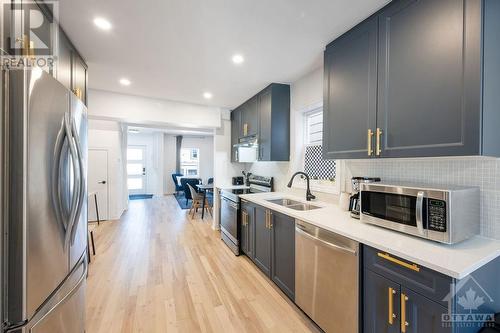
(230, 208)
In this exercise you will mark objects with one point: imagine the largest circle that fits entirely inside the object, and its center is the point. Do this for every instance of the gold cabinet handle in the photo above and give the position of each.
(245, 129)
(270, 220)
(369, 144)
(379, 134)
(404, 323)
(267, 219)
(78, 92)
(28, 46)
(391, 315)
(388, 257)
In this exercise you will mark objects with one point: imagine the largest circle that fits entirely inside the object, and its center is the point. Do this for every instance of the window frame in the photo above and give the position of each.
(190, 165)
(318, 185)
(307, 134)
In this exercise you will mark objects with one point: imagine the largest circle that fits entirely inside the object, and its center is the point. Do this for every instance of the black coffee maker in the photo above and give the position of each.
(354, 199)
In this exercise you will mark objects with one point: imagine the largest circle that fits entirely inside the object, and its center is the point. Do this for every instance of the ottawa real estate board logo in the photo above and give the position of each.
(29, 34)
(469, 305)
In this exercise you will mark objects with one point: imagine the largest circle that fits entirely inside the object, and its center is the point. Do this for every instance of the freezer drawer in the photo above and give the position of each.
(327, 278)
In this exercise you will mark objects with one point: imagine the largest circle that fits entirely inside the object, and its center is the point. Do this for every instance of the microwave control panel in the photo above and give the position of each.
(436, 210)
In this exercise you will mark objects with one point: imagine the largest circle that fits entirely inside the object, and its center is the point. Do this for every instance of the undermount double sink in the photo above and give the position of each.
(292, 204)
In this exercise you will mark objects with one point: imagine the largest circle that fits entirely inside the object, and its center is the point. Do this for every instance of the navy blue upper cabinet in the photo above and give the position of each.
(235, 132)
(274, 123)
(350, 92)
(429, 78)
(250, 118)
(267, 117)
(437, 70)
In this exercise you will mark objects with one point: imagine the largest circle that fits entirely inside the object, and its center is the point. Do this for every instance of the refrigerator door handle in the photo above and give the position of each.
(77, 182)
(56, 193)
(82, 179)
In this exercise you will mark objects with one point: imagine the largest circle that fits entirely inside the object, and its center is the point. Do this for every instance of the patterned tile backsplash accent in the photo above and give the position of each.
(467, 171)
(317, 167)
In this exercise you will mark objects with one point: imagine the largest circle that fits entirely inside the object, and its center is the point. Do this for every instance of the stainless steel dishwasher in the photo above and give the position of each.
(327, 278)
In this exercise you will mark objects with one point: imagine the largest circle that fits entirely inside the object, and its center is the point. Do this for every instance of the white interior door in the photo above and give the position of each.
(136, 169)
(98, 183)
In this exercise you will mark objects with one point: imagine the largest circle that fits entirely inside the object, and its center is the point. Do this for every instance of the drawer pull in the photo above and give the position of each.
(386, 256)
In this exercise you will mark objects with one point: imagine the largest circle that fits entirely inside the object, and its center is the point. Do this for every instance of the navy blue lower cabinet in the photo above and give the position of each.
(283, 253)
(247, 241)
(421, 315)
(392, 308)
(423, 300)
(381, 306)
(262, 240)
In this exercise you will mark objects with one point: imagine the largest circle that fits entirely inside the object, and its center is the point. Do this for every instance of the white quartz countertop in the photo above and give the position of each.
(457, 261)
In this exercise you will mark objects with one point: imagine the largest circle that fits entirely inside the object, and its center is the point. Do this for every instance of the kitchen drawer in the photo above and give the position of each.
(422, 280)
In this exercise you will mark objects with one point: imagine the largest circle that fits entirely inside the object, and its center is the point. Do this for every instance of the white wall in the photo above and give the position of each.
(206, 146)
(169, 153)
(223, 168)
(108, 135)
(153, 142)
(149, 111)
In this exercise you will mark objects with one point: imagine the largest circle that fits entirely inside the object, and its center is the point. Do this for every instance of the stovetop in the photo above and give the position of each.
(258, 184)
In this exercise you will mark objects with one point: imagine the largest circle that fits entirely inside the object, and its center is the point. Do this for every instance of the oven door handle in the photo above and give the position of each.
(419, 207)
(230, 203)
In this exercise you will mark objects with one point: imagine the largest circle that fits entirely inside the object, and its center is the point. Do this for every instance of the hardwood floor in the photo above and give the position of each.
(157, 270)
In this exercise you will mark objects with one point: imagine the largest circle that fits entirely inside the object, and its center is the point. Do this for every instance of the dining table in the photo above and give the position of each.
(204, 189)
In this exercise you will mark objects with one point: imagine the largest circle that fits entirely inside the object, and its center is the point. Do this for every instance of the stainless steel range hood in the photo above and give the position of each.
(247, 149)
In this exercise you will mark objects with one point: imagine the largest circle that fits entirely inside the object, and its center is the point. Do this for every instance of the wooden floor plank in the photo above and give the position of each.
(158, 270)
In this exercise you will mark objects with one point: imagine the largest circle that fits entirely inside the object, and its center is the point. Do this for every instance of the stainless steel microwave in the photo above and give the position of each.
(446, 214)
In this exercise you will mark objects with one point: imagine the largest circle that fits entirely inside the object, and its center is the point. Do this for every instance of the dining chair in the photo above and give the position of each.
(197, 202)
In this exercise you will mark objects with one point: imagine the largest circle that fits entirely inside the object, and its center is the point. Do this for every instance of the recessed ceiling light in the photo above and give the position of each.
(238, 59)
(125, 82)
(207, 95)
(102, 23)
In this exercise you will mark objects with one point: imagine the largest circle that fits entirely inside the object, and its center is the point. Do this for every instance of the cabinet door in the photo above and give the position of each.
(250, 117)
(283, 253)
(243, 231)
(247, 228)
(424, 79)
(350, 92)
(380, 296)
(63, 65)
(422, 314)
(265, 123)
(7, 16)
(262, 249)
(235, 133)
(79, 77)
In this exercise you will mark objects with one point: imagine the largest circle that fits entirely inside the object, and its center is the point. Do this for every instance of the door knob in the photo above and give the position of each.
(102, 182)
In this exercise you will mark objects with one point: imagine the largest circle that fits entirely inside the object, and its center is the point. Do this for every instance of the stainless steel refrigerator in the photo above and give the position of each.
(44, 206)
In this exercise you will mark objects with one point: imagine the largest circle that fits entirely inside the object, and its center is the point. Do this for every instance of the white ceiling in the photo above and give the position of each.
(177, 49)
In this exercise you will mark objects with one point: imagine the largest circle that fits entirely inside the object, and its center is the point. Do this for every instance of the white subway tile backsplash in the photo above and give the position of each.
(466, 171)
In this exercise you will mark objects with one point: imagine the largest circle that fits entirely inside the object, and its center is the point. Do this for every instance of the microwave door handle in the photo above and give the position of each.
(419, 212)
